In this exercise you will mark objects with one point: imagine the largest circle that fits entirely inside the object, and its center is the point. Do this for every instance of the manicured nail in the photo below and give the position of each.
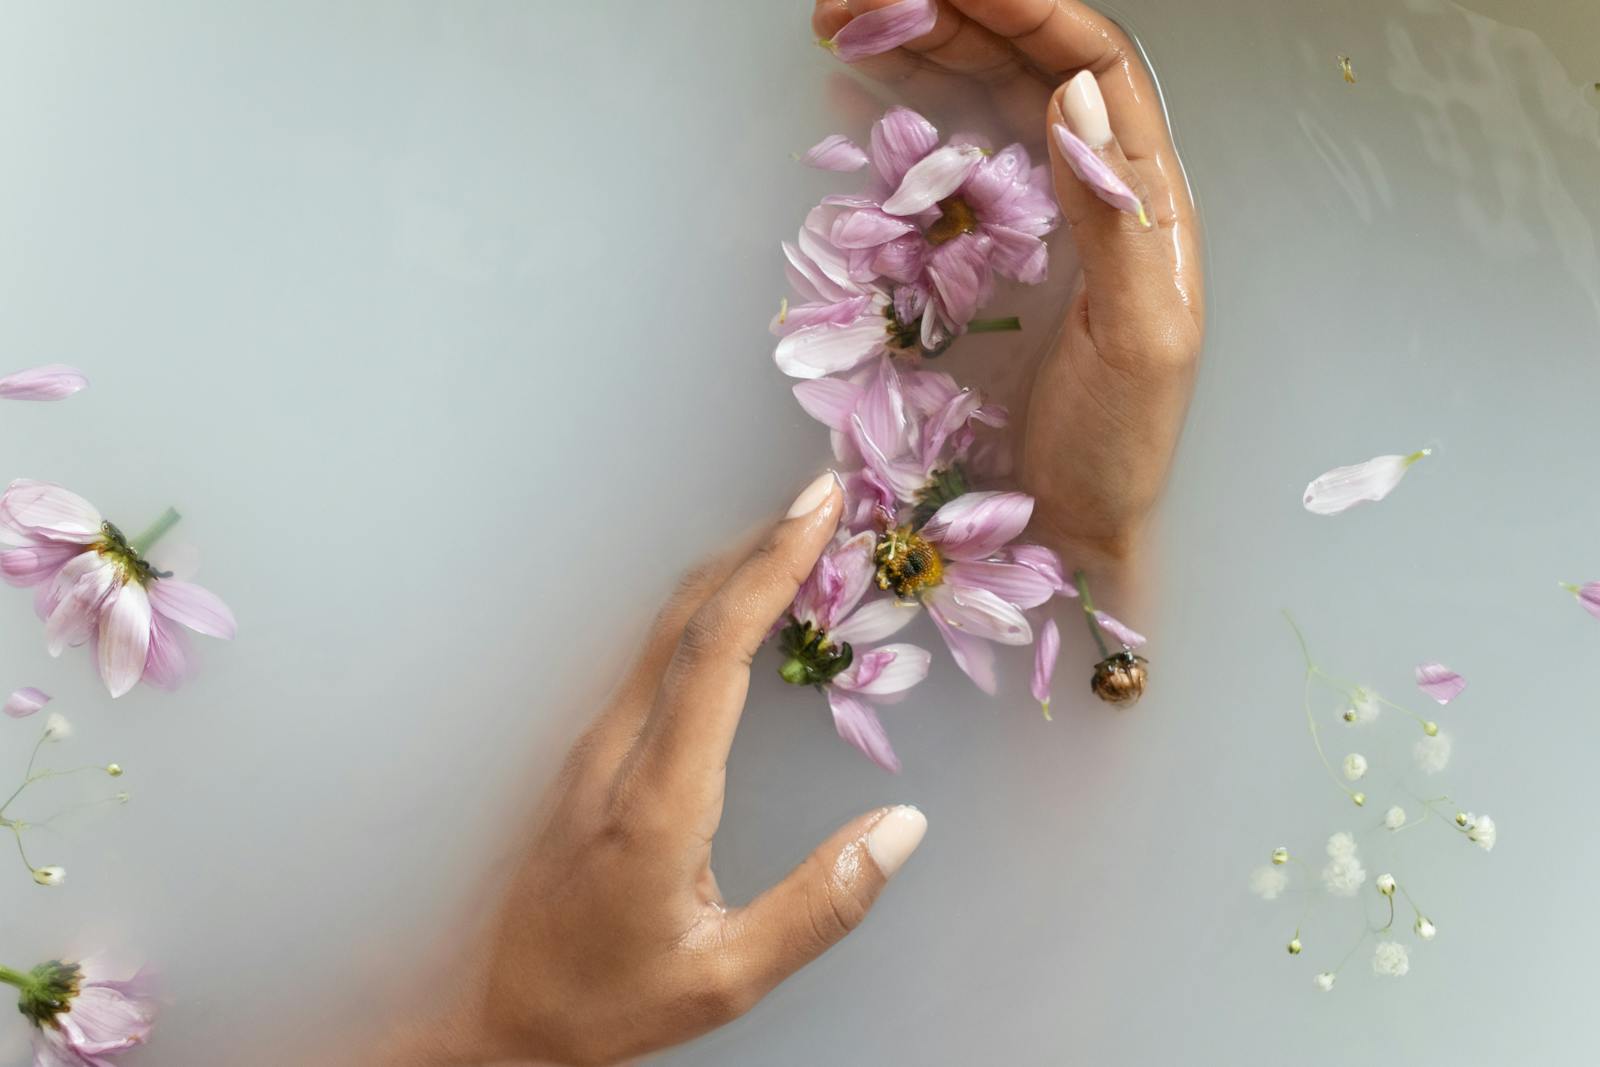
(893, 838)
(1086, 110)
(812, 496)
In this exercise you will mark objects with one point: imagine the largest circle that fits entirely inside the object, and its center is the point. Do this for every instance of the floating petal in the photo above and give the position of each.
(1344, 487)
(1440, 682)
(25, 702)
(1045, 651)
(1096, 173)
(54, 381)
(883, 30)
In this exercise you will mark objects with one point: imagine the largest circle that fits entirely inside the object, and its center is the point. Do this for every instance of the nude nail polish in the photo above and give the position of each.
(893, 838)
(1086, 110)
(812, 496)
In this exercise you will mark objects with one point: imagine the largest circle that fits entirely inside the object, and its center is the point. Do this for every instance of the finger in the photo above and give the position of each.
(683, 749)
(824, 898)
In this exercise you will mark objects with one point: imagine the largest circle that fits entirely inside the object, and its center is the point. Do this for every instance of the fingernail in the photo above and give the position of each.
(893, 838)
(1086, 110)
(812, 496)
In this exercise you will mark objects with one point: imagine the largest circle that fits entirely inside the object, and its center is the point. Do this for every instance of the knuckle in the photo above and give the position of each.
(706, 633)
(835, 910)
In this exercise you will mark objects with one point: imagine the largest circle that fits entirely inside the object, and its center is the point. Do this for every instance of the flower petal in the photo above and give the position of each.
(167, 662)
(816, 351)
(875, 620)
(1588, 595)
(193, 606)
(886, 671)
(884, 30)
(32, 564)
(1130, 637)
(53, 381)
(836, 313)
(1046, 562)
(974, 656)
(828, 400)
(858, 724)
(1095, 172)
(867, 228)
(899, 139)
(980, 613)
(962, 276)
(1344, 487)
(835, 152)
(977, 525)
(26, 701)
(1012, 582)
(124, 638)
(1046, 649)
(932, 178)
(41, 511)
(80, 592)
(1440, 682)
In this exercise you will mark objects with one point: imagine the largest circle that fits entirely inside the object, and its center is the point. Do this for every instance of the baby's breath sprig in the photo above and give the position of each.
(56, 729)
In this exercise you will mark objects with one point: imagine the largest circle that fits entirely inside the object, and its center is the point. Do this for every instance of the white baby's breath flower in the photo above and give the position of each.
(1364, 702)
(1325, 980)
(1341, 844)
(1267, 881)
(49, 875)
(1425, 928)
(56, 727)
(1385, 884)
(1344, 876)
(1391, 959)
(1481, 831)
(1395, 817)
(1355, 766)
(1432, 753)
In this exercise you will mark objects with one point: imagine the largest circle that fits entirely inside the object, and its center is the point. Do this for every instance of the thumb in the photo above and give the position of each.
(825, 897)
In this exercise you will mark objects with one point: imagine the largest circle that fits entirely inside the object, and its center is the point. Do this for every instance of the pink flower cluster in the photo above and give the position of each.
(886, 278)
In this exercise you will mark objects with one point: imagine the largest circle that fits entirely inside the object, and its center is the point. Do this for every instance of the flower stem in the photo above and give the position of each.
(155, 531)
(1082, 583)
(16, 978)
(994, 325)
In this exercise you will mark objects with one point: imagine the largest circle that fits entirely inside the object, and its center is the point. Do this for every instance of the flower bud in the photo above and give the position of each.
(1360, 799)
(1430, 728)
(1280, 856)
(1120, 678)
(1325, 980)
(1355, 766)
(1294, 946)
(1462, 818)
(49, 875)
(114, 770)
(1385, 884)
(1425, 928)
(1349, 716)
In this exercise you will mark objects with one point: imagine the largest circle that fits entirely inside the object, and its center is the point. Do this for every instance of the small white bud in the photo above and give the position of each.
(1425, 928)
(1360, 799)
(1325, 980)
(49, 875)
(1385, 884)
(1430, 728)
(56, 727)
(1395, 817)
(1349, 716)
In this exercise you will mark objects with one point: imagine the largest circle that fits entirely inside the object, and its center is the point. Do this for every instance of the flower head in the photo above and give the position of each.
(1344, 875)
(57, 727)
(1481, 831)
(1355, 766)
(1325, 980)
(81, 1015)
(1432, 754)
(1268, 881)
(1385, 884)
(49, 875)
(1394, 818)
(1425, 928)
(1391, 959)
(1364, 707)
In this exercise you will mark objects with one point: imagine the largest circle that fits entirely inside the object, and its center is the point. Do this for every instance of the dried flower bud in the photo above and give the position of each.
(1349, 716)
(1430, 728)
(114, 770)
(1359, 798)
(1280, 856)
(1120, 678)
(1294, 946)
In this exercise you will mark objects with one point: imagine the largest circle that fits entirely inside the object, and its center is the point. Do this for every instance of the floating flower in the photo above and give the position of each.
(1432, 754)
(25, 701)
(1324, 981)
(827, 621)
(835, 152)
(49, 875)
(96, 586)
(1391, 959)
(1481, 831)
(883, 30)
(81, 1015)
(1588, 595)
(1045, 651)
(1440, 682)
(1385, 884)
(1344, 874)
(1268, 881)
(1364, 706)
(1425, 928)
(54, 381)
(56, 727)
(1394, 818)
(1355, 766)
(1344, 487)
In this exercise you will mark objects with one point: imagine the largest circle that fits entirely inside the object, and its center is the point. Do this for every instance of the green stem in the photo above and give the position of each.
(16, 978)
(1082, 583)
(1305, 650)
(156, 531)
(994, 325)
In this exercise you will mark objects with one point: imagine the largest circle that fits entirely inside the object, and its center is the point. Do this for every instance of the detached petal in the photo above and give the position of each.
(1096, 173)
(883, 30)
(858, 724)
(1588, 594)
(1046, 649)
(835, 152)
(932, 178)
(1344, 487)
(53, 381)
(1440, 682)
(193, 606)
(816, 351)
(26, 701)
(1126, 634)
(977, 525)
(124, 638)
(875, 620)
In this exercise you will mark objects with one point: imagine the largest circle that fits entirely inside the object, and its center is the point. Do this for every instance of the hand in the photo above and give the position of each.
(614, 940)
(1111, 393)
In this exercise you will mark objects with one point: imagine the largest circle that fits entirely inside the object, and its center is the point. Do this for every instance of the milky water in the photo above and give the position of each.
(444, 327)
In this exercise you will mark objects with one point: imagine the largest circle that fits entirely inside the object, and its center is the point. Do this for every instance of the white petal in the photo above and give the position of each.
(819, 350)
(124, 638)
(934, 177)
(908, 667)
(875, 620)
(980, 613)
(1344, 487)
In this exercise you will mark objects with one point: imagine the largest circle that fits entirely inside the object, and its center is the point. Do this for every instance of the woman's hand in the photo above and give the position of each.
(614, 940)
(1110, 396)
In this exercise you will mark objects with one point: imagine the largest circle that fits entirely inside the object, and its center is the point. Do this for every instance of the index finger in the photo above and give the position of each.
(683, 749)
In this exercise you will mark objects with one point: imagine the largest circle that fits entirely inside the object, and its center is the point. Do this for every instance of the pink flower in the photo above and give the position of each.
(883, 30)
(954, 564)
(102, 1016)
(54, 381)
(94, 586)
(827, 623)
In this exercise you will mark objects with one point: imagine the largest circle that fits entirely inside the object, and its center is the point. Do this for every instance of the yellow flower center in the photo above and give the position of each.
(907, 564)
(956, 219)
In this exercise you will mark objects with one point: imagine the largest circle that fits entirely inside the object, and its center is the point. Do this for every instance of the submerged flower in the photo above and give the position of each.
(827, 621)
(1394, 818)
(1432, 753)
(1425, 928)
(883, 30)
(81, 1015)
(1268, 881)
(1341, 844)
(835, 152)
(1440, 682)
(1391, 959)
(1385, 884)
(53, 381)
(1355, 766)
(49, 875)
(26, 701)
(1325, 980)
(1481, 831)
(95, 586)
(1344, 487)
